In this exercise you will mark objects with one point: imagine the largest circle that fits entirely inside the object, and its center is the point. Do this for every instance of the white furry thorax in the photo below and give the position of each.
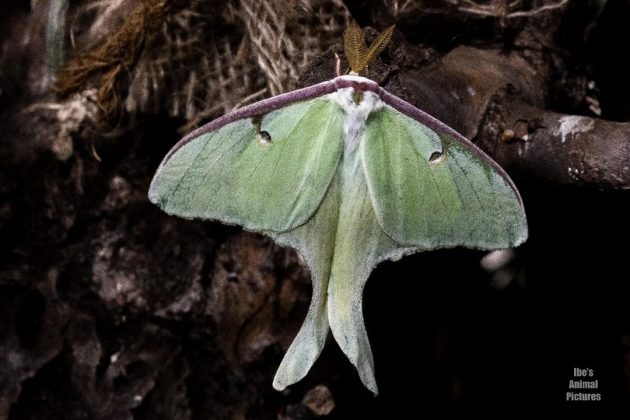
(355, 113)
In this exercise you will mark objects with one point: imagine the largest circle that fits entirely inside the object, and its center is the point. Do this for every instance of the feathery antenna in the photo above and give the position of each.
(358, 54)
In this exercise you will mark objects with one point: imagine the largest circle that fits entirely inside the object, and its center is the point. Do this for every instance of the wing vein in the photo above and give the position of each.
(472, 186)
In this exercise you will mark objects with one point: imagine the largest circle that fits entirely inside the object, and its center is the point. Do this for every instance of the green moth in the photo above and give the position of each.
(349, 175)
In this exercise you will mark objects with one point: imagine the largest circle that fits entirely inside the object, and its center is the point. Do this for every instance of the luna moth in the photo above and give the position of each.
(349, 175)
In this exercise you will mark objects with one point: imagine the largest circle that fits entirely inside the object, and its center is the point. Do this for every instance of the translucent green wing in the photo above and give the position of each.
(267, 177)
(433, 190)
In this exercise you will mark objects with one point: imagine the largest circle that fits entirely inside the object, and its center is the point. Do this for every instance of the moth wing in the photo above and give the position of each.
(434, 190)
(238, 175)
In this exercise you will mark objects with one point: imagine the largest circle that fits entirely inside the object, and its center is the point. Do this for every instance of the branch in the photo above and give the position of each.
(491, 97)
(565, 149)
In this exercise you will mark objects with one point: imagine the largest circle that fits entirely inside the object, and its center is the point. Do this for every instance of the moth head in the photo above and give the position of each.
(357, 52)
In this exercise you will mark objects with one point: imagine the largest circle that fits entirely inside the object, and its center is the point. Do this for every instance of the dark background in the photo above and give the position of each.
(110, 309)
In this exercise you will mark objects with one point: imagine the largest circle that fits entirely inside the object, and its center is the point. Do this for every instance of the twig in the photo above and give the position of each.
(541, 9)
(503, 11)
(250, 98)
